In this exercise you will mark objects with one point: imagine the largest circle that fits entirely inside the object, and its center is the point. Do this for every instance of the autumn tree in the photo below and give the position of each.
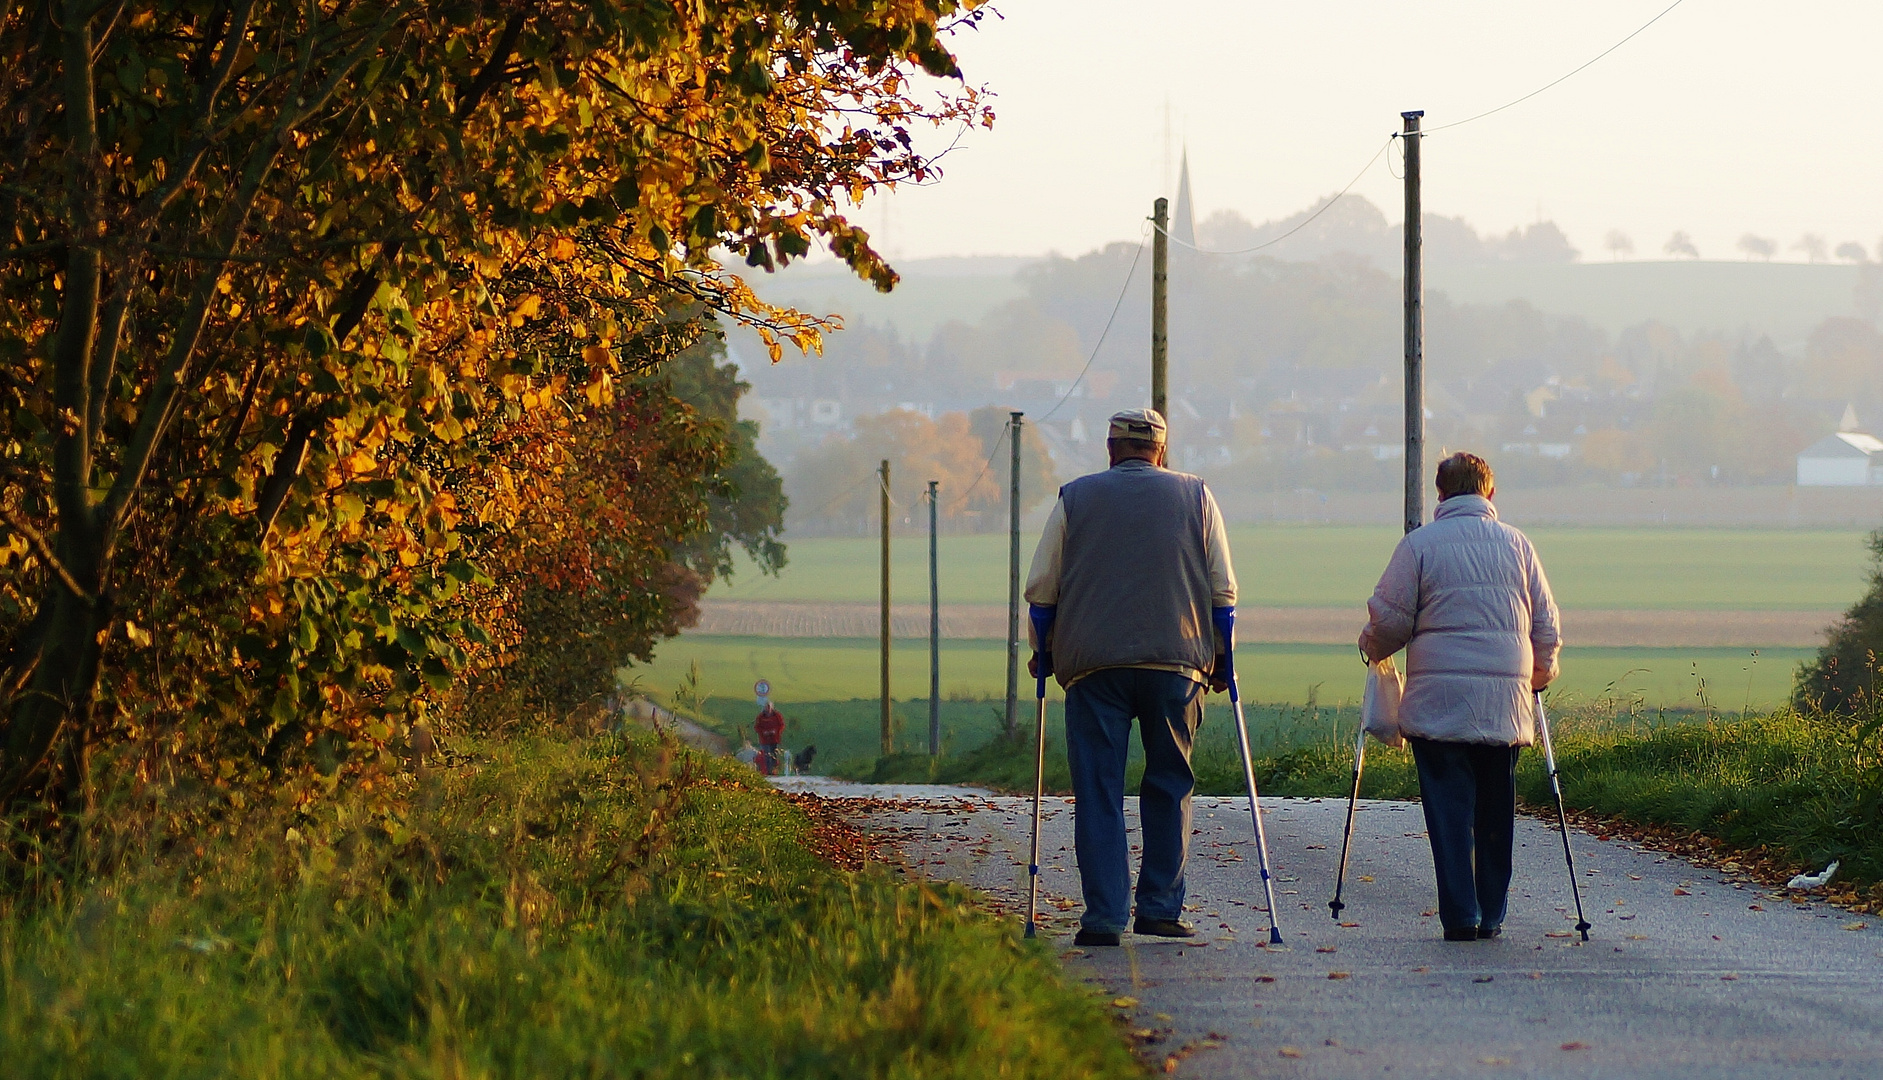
(269, 276)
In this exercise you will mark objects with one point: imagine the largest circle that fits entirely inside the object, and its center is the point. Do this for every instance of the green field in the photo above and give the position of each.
(839, 669)
(1333, 566)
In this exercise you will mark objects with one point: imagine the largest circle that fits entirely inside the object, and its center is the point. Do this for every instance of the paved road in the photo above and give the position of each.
(1689, 973)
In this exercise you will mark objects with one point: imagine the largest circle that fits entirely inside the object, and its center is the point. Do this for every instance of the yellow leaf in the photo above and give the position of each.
(600, 389)
(1124, 1003)
(408, 557)
(562, 249)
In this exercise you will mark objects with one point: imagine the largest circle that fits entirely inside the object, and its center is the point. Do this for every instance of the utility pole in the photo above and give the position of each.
(934, 632)
(1415, 330)
(889, 743)
(1160, 310)
(1013, 583)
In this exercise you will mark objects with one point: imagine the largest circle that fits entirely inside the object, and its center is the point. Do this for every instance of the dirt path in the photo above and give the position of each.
(1690, 973)
(1304, 626)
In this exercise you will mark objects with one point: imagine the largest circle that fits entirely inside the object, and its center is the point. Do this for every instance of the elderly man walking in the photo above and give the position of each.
(1133, 559)
(1466, 598)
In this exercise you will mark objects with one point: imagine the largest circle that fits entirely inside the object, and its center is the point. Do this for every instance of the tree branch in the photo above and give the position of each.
(46, 554)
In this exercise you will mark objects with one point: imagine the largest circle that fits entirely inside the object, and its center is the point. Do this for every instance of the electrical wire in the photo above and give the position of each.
(1431, 131)
(968, 492)
(1546, 86)
(1116, 304)
(1310, 219)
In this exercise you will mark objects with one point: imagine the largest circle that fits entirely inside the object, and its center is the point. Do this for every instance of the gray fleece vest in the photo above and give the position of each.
(1134, 584)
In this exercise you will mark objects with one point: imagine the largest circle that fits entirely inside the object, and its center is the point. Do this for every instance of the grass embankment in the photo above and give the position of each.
(558, 909)
(1808, 789)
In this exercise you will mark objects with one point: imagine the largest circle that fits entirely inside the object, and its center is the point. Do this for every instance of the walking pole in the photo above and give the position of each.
(1562, 816)
(1346, 839)
(1225, 620)
(1042, 626)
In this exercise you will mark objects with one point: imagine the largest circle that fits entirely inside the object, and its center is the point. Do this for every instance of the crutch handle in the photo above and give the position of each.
(1042, 616)
(1224, 619)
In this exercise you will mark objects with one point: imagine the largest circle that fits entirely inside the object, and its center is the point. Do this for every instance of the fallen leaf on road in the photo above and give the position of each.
(1637, 937)
(1349, 925)
(1554, 933)
(1536, 974)
(1421, 969)
(1340, 974)
(1170, 1064)
(1366, 877)
(1682, 892)
(1855, 925)
(1265, 978)
(1755, 907)
(1485, 979)
(1289, 1052)
(1575, 1046)
(1427, 914)
(1729, 978)
(1327, 948)
(1124, 1003)
(1493, 1061)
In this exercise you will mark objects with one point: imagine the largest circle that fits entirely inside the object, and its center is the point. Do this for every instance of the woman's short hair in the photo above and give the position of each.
(1465, 474)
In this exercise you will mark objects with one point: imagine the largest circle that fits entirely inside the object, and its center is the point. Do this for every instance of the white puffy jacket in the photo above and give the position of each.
(1466, 598)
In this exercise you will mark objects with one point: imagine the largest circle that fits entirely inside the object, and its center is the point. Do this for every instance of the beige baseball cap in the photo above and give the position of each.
(1144, 425)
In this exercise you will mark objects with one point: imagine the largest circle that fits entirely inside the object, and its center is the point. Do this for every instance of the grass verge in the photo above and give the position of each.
(559, 908)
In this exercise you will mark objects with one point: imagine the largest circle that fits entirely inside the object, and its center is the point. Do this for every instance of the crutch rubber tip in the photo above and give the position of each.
(1030, 932)
(1274, 936)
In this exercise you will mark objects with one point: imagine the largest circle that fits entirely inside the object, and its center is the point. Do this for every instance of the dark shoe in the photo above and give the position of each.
(1486, 933)
(1094, 938)
(1162, 928)
(1469, 933)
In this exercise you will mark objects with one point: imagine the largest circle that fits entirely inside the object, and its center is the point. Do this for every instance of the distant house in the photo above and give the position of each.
(1846, 459)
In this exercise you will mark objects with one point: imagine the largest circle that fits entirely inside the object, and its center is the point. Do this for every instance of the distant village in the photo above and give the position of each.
(1286, 367)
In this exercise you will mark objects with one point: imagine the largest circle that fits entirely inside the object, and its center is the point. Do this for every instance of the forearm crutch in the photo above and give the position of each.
(1042, 626)
(1225, 620)
(1562, 815)
(1346, 838)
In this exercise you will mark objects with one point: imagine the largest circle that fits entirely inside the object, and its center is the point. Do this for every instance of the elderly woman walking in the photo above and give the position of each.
(1466, 598)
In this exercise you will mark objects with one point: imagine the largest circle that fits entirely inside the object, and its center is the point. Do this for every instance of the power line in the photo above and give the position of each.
(1116, 304)
(1546, 86)
(1433, 130)
(1310, 219)
(968, 491)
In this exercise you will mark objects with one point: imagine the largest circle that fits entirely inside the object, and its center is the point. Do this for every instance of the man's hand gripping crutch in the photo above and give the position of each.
(1225, 620)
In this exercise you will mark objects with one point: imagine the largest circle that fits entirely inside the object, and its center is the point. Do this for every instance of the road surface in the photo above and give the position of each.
(1690, 973)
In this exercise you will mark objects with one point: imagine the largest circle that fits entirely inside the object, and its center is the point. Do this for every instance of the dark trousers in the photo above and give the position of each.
(1099, 711)
(1470, 797)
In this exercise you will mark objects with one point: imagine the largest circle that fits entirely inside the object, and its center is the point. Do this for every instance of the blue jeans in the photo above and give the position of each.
(1099, 711)
(1469, 792)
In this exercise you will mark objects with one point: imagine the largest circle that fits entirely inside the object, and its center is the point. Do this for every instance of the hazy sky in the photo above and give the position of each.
(1726, 117)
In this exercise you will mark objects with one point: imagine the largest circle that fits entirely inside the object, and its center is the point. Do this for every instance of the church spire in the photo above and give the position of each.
(1183, 222)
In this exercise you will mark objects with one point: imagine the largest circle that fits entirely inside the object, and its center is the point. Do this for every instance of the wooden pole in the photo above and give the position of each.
(889, 742)
(1013, 583)
(1415, 331)
(934, 631)
(1160, 310)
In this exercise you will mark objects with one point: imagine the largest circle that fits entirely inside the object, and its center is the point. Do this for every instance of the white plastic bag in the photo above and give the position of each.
(1379, 707)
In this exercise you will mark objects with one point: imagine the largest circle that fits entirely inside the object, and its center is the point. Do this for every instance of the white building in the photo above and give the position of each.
(1846, 459)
